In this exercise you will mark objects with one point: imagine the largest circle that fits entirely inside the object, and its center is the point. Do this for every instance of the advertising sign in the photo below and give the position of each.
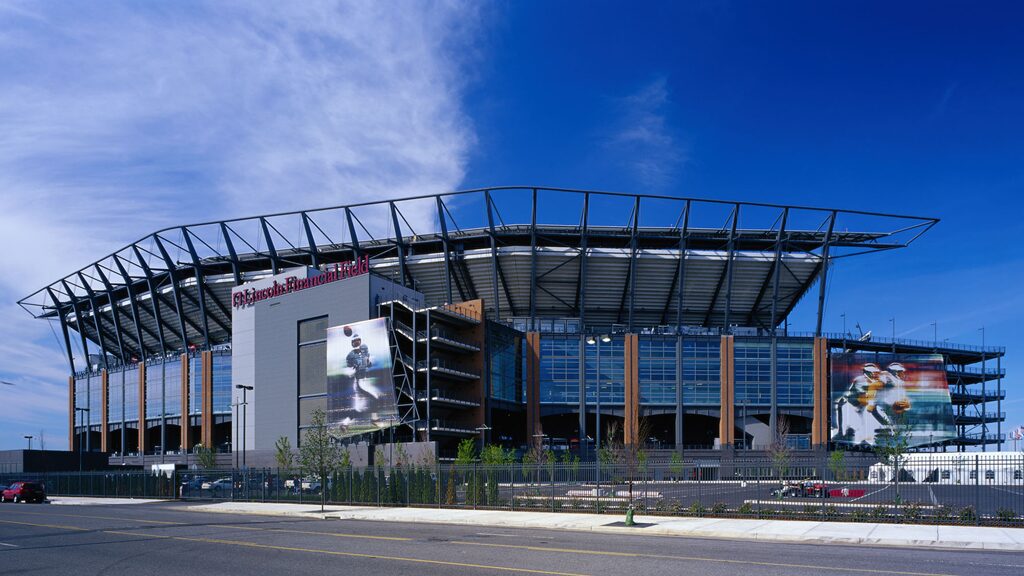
(360, 381)
(879, 397)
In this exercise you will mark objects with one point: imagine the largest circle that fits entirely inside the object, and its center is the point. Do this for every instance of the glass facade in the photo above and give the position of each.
(115, 397)
(131, 393)
(154, 389)
(222, 382)
(753, 372)
(559, 370)
(195, 384)
(795, 372)
(312, 376)
(506, 381)
(612, 371)
(702, 385)
(172, 386)
(657, 370)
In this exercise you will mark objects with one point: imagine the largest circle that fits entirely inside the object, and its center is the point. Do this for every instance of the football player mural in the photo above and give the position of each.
(876, 396)
(360, 381)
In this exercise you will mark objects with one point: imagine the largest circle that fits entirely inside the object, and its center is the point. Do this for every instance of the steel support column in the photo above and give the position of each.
(776, 272)
(729, 268)
(824, 273)
(447, 249)
(235, 270)
(400, 244)
(632, 259)
(200, 284)
(91, 296)
(581, 279)
(133, 305)
(63, 329)
(314, 252)
(153, 299)
(494, 259)
(275, 262)
(175, 289)
(533, 261)
(115, 313)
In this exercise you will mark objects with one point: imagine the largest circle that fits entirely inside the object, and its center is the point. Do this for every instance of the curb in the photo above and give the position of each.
(655, 529)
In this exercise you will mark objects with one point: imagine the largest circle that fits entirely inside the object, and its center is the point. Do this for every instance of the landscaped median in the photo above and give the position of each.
(867, 533)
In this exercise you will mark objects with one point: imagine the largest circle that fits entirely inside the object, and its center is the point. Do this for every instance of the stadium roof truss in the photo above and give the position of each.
(603, 257)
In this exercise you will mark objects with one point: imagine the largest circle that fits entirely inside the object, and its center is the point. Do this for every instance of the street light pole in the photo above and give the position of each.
(29, 438)
(81, 426)
(245, 412)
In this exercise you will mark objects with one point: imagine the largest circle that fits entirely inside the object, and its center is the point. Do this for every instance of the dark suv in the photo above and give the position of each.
(23, 492)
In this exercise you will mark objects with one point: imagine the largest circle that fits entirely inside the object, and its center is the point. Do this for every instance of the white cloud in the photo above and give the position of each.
(121, 119)
(642, 138)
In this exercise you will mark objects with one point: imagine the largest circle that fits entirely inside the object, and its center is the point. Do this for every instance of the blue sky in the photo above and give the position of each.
(120, 118)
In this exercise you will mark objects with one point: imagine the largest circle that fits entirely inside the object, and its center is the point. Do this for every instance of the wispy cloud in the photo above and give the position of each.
(122, 118)
(642, 138)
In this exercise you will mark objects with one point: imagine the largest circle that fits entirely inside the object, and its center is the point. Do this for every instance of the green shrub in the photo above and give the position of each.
(719, 508)
(1006, 514)
(912, 510)
(696, 509)
(878, 511)
(746, 508)
(967, 514)
(858, 515)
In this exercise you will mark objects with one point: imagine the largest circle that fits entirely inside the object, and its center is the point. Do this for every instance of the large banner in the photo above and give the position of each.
(881, 397)
(360, 381)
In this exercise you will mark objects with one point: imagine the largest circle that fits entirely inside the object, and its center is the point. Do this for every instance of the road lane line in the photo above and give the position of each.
(59, 527)
(693, 558)
(6, 544)
(310, 550)
(124, 518)
(337, 534)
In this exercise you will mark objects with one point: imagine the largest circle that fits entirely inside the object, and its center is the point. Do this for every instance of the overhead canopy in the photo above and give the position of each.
(668, 261)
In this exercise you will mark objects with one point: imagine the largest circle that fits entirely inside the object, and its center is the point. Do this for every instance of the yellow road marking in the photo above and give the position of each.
(104, 518)
(691, 558)
(311, 550)
(122, 532)
(313, 532)
(47, 526)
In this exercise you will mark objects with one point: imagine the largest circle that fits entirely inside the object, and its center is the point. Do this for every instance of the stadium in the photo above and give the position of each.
(519, 316)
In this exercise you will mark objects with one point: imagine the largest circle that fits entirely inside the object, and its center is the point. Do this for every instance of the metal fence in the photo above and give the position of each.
(966, 489)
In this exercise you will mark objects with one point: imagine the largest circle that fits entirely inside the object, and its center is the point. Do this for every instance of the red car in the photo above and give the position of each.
(23, 492)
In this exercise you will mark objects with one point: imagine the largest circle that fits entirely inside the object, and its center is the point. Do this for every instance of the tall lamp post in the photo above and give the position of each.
(245, 411)
(81, 425)
(29, 438)
(482, 429)
(592, 341)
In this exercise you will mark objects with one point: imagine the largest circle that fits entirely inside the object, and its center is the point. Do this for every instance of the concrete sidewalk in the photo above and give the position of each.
(913, 535)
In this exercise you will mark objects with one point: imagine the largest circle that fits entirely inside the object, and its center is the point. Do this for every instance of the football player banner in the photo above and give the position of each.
(360, 380)
(876, 397)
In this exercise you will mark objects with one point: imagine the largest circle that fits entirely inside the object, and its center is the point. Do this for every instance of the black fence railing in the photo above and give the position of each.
(964, 489)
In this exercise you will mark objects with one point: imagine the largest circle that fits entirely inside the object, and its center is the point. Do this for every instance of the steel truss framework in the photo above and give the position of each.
(604, 258)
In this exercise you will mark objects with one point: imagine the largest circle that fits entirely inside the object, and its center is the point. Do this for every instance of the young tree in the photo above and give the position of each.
(318, 454)
(779, 448)
(837, 465)
(284, 456)
(892, 446)
(205, 457)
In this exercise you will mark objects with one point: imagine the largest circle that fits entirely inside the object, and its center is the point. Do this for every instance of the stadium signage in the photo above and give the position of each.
(291, 284)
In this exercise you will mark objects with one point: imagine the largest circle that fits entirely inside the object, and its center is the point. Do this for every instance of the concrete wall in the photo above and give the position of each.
(265, 349)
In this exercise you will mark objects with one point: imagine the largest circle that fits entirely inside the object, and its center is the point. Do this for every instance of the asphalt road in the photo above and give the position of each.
(165, 538)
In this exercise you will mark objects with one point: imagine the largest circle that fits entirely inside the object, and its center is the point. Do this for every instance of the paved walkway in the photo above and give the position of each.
(915, 535)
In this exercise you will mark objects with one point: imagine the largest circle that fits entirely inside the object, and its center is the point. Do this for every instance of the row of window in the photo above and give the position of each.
(700, 371)
(163, 390)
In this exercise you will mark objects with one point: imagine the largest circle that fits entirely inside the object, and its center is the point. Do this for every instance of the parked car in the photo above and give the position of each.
(23, 492)
(805, 489)
(218, 485)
